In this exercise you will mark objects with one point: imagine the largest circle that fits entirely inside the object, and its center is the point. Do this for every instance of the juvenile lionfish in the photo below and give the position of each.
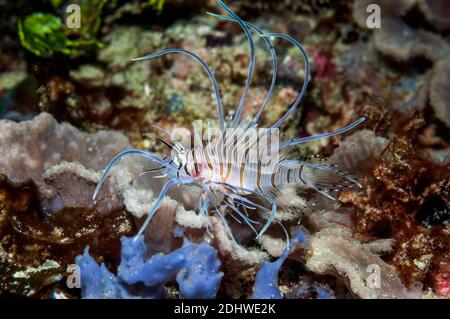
(232, 167)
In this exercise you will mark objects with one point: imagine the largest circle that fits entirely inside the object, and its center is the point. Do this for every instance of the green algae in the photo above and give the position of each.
(158, 4)
(43, 34)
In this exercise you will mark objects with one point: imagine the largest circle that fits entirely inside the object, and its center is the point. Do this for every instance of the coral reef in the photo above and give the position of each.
(70, 103)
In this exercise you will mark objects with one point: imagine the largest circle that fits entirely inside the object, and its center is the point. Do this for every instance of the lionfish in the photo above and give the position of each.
(234, 176)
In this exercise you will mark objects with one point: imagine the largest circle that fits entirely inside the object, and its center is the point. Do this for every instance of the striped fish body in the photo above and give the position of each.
(238, 170)
(244, 175)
